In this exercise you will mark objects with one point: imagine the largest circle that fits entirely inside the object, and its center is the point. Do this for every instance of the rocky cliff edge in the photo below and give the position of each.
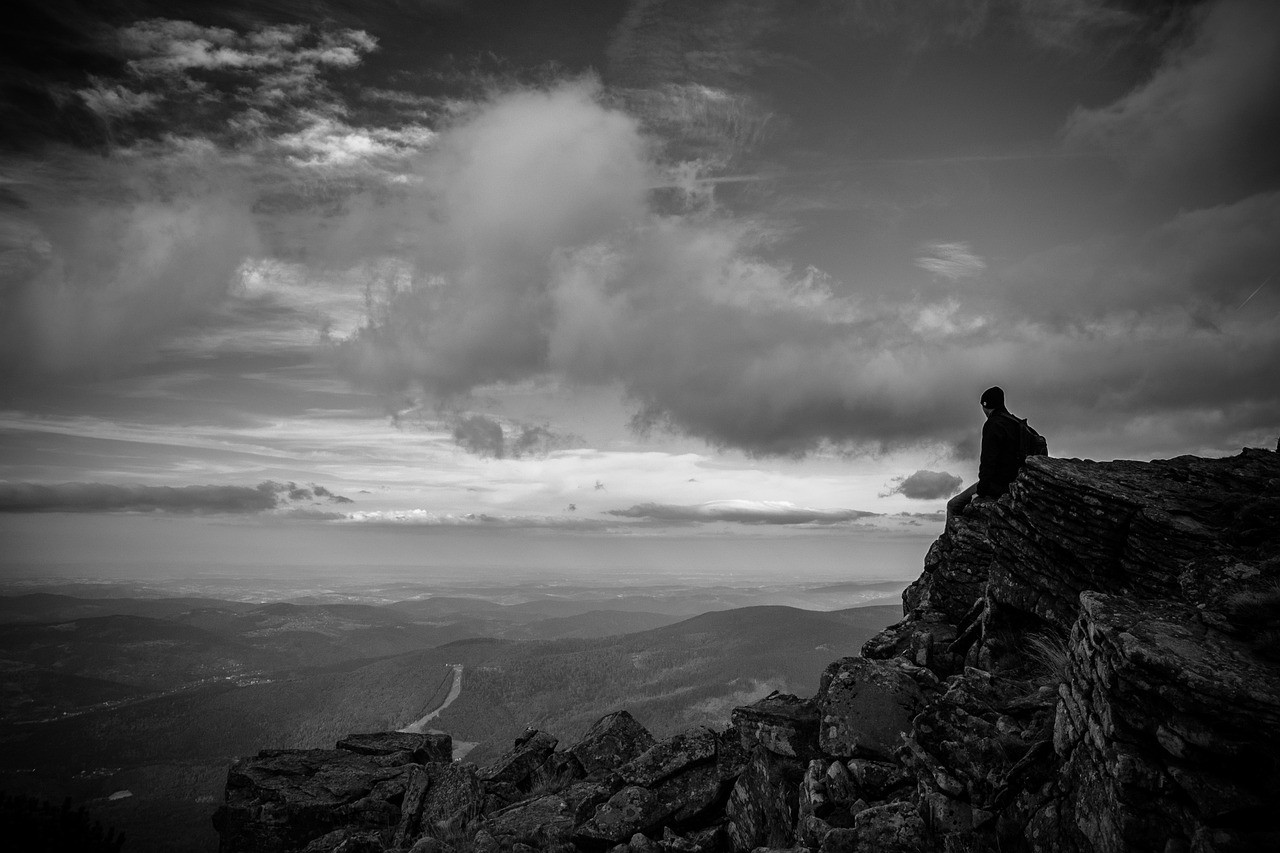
(1091, 663)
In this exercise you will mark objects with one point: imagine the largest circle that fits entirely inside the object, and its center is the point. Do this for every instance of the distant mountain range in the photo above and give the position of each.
(156, 696)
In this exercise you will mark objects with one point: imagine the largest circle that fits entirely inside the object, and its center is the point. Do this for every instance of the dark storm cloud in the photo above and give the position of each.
(479, 435)
(518, 236)
(539, 272)
(743, 512)
(541, 254)
(537, 441)
(103, 497)
(488, 437)
(1205, 127)
(927, 485)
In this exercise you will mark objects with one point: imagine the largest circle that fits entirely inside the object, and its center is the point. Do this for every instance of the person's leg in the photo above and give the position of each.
(956, 505)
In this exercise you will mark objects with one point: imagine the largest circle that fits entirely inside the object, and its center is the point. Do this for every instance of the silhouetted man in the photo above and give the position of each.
(1001, 453)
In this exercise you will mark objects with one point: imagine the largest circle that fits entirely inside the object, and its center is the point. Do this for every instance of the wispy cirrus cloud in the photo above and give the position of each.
(1075, 24)
(717, 43)
(197, 499)
(952, 261)
(743, 512)
(705, 127)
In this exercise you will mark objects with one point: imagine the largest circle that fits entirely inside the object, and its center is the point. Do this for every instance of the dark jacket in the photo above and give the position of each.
(1001, 454)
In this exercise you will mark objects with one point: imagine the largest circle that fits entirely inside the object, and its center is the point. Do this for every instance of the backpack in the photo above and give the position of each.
(1030, 442)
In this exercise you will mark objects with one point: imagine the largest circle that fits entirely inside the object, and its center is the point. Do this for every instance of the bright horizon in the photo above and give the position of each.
(648, 286)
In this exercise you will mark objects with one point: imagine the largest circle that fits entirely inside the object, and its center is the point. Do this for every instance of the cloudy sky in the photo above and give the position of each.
(613, 281)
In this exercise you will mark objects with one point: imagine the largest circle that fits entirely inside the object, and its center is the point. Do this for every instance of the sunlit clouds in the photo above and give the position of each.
(747, 269)
(171, 63)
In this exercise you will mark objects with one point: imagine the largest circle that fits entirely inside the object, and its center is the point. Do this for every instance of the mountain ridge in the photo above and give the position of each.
(90, 739)
(1085, 665)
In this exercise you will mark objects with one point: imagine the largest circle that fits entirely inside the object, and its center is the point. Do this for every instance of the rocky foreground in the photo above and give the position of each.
(1091, 663)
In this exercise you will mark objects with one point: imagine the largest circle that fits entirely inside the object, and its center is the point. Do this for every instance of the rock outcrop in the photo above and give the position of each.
(1091, 664)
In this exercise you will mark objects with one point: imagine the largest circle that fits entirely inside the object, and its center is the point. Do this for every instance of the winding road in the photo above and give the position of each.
(417, 727)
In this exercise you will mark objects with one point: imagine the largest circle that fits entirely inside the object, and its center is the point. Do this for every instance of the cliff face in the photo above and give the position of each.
(1091, 663)
(1147, 595)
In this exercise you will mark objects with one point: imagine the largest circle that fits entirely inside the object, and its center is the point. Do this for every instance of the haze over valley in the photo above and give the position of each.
(136, 705)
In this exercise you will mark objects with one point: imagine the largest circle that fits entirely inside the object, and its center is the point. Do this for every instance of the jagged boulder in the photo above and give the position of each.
(1129, 528)
(872, 780)
(865, 706)
(827, 801)
(440, 798)
(674, 783)
(670, 756)
(286, 798)
(1169, 729)
(347, 840)
(688, 795)
(926, 639)
(782, 723)
(428, 748)
(764, 804)
(538, 822)
(955, 568)
(612, 741)
(888, 828)
(631, 810)
(707, 840)
(945, 600)
(519, 769)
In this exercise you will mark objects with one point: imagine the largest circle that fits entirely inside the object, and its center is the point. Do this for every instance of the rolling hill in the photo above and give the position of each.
(689, 673)
(140, 715)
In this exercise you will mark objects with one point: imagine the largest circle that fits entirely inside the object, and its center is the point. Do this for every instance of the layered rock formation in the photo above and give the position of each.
(1091, 663)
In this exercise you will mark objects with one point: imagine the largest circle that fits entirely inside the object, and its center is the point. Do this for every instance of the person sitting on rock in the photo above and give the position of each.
(1001, 453)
